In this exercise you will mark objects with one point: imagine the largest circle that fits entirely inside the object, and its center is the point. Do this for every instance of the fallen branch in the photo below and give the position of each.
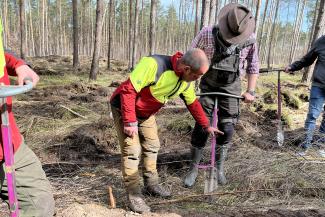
(115, 160)
(185, 198)
(69, 163)
(73, 112)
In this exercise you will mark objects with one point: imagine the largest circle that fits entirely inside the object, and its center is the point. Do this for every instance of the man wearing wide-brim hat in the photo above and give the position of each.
(232, 51)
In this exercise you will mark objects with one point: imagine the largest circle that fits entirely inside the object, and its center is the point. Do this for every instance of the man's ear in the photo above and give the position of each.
(186, 68)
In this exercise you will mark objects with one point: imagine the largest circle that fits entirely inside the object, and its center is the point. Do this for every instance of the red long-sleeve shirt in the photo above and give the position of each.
(12, 63)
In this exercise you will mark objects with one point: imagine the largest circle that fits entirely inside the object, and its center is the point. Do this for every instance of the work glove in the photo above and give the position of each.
(213, 131)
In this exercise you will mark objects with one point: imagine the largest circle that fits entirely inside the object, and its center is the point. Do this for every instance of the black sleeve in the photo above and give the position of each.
(306, 60)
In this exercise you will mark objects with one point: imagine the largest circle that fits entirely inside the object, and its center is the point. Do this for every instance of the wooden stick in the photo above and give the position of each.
(111, 198)
(73, 112)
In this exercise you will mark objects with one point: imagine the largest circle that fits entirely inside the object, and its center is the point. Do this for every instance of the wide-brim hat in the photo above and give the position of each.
(236, 23)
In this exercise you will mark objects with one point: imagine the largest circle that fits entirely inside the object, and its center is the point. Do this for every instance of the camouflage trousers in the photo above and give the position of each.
(144, 146)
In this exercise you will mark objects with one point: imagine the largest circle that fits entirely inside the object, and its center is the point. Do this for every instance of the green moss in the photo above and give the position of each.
(181, 125)
(272, 111)
(291, 99)
(270, 96)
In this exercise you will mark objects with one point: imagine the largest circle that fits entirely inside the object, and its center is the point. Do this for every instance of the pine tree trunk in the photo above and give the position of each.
(205, 13)
(75, 34)
(46, 30)
(43, 29)
(152, 28)
(272, 34)
(285, 47)
(320, 23)
(98, 36)
(257, 15)
(31, 29)
(312, 30)
(213, 11)
(60, 27)
(268, 31)
(5, 23)
(22, 29)
(130, 48)
(135, 34)
(263, 24)
(297, 34)
(92, 40)
(294, 31)
(196, 24)
(110, 32)
(123, 33)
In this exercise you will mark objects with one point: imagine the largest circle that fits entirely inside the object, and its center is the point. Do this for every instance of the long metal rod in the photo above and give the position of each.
(266, 70)
(9, 160)
(220, 94)
(279, 96)
(214, 124)
(6, 91)
(212, 180)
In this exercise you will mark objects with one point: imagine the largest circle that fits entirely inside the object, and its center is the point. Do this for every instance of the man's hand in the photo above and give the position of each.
(288, 70)
(248, 98)
(25, 72)
(131, 131)
(213, 131)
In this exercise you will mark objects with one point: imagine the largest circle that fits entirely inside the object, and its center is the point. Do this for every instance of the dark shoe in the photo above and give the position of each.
(137, 203)
(305, 145)
(190, 177)
(319, 140)
(157, 191)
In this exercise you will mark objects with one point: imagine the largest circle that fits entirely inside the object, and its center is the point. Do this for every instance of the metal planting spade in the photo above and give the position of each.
(280, 134)
(211, 178)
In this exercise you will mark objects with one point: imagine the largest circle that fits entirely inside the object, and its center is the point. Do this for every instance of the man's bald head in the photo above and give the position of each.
(196, 59)
(195, 64)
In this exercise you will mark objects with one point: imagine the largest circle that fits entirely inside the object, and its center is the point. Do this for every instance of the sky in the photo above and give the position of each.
(166, 2)
(282, 13)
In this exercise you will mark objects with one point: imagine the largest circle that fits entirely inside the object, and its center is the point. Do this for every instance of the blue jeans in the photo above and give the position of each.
(317, 99)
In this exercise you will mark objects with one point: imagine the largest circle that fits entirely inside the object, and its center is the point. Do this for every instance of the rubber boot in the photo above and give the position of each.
(192, 174)
(223, 143)
(221, 155)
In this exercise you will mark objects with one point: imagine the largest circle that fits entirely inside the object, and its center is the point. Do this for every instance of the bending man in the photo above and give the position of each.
(154, 81)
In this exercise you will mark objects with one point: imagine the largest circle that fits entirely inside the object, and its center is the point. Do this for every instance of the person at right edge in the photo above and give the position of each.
(228, 46)
(317, 93)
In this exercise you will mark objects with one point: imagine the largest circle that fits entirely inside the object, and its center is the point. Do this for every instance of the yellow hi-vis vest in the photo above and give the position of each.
(2, 54)
(164, 85)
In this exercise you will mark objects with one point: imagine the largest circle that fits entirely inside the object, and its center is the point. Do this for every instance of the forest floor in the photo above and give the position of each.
(66, 121)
